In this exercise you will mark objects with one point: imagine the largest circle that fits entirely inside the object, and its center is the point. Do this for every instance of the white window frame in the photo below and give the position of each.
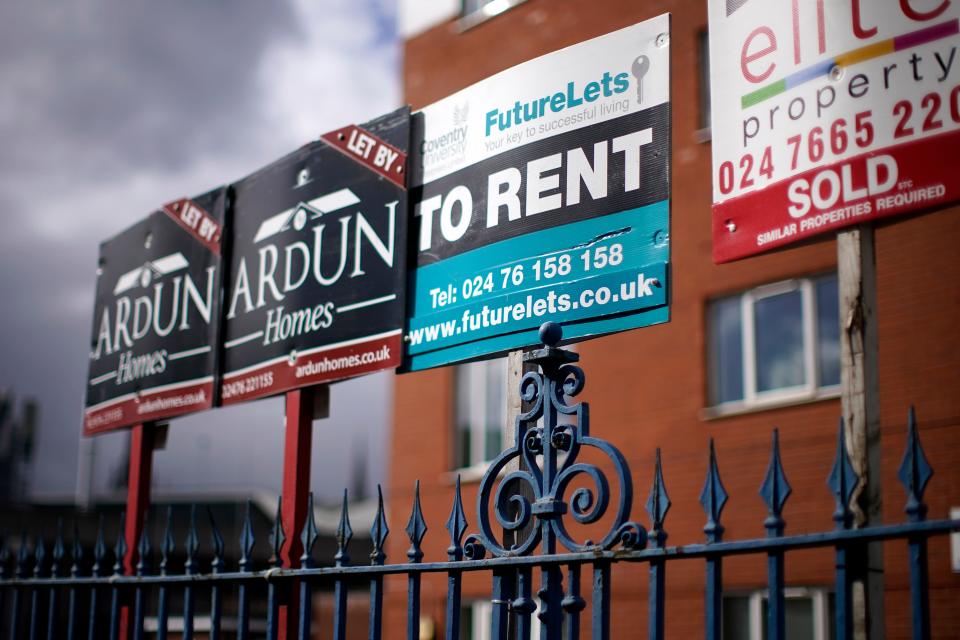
(477, 403)
(749, 342)
(482, 619)
(482, 615)
(753, 399)
(821, 610)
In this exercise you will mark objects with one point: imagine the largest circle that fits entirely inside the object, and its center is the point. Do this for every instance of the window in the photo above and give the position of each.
(703, 48)
(476, 620)
(773, 344)
(809, 613)
(480, 411)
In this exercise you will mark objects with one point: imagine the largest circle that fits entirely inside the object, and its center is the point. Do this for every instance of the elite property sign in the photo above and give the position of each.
(828, 114)
(542, 193)
(156, 317)
(317, 263)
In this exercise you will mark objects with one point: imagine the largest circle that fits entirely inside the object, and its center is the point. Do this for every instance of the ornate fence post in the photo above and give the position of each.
(216, 566)
(39, 571)
(378, 535)
(308, 538)
(166, 551)
(59, 552)
(75, 569)
(277, 538)
(457, 527)
(775, 491)
(143, 569)
(247, 540)
(714, 498)
(341, 559)
(416, 530)
(551, 452)
(119, 553)
(915, 472)
(843, 480)
(658, 504)
(191, 545)
(99, 552)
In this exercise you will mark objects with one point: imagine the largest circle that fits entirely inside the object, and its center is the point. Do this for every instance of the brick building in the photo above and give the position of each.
(678, 385)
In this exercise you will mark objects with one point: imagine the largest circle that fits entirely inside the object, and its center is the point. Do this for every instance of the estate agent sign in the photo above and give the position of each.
(317, 264)
(156, 313)
(543, 193)
(830, 113)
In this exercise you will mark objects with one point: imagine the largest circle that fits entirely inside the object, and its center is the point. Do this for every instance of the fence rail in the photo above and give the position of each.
(525, 490)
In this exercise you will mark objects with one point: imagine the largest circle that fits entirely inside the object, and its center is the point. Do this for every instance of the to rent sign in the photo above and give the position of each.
(542, 193)
(152, 353)
(830, 113)
(315, 286)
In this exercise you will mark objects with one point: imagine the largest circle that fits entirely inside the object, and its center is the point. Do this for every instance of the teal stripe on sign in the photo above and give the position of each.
(607, 293)
(499, 345)
(641, 229)
(642, 236)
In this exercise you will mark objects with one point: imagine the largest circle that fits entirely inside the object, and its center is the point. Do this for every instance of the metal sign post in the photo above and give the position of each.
(303, 406)
(143, 438)
(140, 471)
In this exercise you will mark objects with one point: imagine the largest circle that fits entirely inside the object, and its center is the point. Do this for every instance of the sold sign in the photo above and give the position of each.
(829, 113)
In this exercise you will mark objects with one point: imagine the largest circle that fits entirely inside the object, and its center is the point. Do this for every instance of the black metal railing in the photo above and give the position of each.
(525, 490)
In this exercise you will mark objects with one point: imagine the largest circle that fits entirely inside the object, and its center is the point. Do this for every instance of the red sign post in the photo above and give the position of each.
(143, 438)
(303, 406)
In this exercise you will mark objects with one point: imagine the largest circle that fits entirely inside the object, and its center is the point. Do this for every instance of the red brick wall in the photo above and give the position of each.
(648, 388)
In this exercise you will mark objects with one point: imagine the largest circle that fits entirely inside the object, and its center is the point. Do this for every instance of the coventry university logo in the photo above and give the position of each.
(461, 113)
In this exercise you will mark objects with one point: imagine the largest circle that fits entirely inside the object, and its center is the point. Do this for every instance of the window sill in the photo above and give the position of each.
(739, 408)
(489, 10)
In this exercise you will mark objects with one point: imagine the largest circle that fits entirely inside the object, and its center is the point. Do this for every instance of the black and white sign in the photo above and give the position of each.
(152, 352)
(315, 286)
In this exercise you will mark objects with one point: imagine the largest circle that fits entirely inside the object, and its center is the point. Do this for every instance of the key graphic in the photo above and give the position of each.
(639, 69)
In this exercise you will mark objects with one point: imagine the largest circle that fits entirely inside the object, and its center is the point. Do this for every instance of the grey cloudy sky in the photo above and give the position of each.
(110, 108)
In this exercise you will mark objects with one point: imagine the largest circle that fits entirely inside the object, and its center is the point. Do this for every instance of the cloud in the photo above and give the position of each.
(111, 108)
(317, 82)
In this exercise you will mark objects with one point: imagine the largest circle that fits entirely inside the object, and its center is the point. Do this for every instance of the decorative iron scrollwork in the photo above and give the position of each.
(550, 461)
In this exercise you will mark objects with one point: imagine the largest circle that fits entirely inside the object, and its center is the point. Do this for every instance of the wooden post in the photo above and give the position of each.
(516, 368)
(860, 399)
(303, 406)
